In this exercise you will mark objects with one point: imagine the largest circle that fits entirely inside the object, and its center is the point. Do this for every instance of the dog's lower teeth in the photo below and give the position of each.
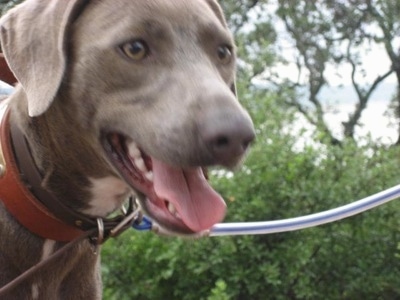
(173, 211)
(171, 208)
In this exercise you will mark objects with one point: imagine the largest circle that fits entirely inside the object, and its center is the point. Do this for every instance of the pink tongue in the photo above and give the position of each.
(198, 205)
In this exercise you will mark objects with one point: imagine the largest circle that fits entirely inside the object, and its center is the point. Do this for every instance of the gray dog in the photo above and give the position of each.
(116, 97)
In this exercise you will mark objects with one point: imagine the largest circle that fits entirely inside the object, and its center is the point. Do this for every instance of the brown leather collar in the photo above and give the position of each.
(36, 208)
(20, 201)
(14, 194)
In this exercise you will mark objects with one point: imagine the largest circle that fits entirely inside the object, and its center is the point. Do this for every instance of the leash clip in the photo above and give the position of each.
(131, 216)
(105, 230)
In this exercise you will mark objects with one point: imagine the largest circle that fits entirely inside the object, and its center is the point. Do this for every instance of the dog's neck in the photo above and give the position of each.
(70, 159)
(35, 207)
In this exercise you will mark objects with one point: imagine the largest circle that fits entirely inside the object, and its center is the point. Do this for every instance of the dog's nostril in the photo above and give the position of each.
(224, 143)
(247, 142)
(221, 142)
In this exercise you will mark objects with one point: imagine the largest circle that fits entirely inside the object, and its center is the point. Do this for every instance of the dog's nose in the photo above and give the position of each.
(227, 134)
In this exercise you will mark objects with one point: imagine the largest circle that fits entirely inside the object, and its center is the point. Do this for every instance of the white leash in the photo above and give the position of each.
(313, 220)
(268, 227)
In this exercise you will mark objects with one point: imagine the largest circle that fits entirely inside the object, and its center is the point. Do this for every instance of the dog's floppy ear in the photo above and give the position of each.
(33, 40)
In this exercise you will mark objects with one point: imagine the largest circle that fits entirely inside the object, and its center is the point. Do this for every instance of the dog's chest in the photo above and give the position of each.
(107, 195)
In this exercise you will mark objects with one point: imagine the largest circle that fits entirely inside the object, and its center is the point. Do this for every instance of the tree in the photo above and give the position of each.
(386, 15)
(323, 34)
(338, 33)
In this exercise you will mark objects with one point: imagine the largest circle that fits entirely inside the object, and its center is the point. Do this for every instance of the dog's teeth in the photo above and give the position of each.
(134, 151)
(171, 208)
(139, 162)
(173, 211)
(136, 155)
(149, 176)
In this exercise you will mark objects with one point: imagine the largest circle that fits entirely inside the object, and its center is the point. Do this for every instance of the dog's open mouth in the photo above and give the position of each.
(179, 199)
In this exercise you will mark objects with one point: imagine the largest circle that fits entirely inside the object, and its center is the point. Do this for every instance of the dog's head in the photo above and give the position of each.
(154, 82)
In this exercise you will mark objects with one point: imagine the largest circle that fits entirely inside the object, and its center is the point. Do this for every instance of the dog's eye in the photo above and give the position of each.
(136, 50)
(224, 54)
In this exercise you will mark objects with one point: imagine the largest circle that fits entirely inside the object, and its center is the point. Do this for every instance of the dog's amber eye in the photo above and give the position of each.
(136, 50)
(224, 54)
